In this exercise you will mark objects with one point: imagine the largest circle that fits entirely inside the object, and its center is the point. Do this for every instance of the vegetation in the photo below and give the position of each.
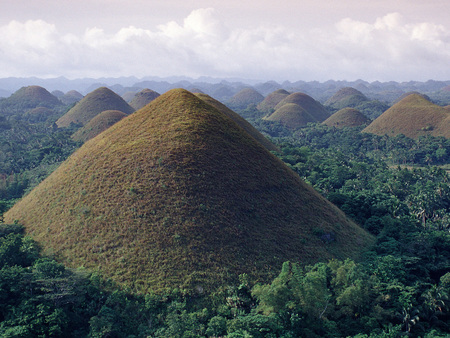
(144, 97)
(99, 123)
(388, 185)
(244, 98)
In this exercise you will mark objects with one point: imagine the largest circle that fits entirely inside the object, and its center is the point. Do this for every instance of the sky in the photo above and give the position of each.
(372, 40)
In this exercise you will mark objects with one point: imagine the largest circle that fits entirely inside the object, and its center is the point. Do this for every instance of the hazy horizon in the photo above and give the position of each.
(288, 40)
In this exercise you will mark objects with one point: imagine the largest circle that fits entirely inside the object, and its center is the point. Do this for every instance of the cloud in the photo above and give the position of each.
(390, 48)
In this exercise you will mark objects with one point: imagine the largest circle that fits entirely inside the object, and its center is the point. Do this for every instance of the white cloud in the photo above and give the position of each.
(388, 48)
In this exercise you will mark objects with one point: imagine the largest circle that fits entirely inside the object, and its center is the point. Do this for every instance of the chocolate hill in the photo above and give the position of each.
(297, 110)
(178, 195)
(98, 124)
(244, 98)
(71, 97)
(27, 98)
(413, 116)
(93, 104)
(271, 100)
(243, 123)
(346, 97)
(144, 97)
(346, 117)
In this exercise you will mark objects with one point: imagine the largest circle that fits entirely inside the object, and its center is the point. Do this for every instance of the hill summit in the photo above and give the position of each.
(178, 195)
(347, 117)
(144, 97)
(412, 116)
(93, 104)
(27, 98)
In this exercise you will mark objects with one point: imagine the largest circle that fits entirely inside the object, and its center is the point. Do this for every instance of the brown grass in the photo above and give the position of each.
(413, 116)
(178, 195)
(292, 116)
(347, 117)
(271, 100)
(98, 124)
(314, 108)
(144, 97)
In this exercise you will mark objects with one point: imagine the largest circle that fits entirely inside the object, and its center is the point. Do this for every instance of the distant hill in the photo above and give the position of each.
(98, 124)
(93, 104)
(298, 109)
(178, 195)
(413, 116)
(271, 100)
(27, 98)
(144, 97)
(239, 120)
(71, 97)
(346, 97)
(346, 117)
(244, 98)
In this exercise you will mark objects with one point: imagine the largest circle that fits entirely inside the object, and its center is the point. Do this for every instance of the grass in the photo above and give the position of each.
(244, 98)
(178, 195)
(346, 117)
(413, 116)
(98, 124)
(93, 104)
(346, 97)
(292, 116)
(271, 100)
(314, 108)
(144, 97)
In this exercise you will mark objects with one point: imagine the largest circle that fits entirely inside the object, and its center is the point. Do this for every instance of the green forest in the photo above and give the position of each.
(396, 188)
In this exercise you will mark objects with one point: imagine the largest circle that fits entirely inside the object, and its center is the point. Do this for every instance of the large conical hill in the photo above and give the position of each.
(347, 117)
(314, 108)
(98, 124)
(71, 97)
(413, 116)
(243, 123)
(144, 97)
(178, 195)
(93, 104)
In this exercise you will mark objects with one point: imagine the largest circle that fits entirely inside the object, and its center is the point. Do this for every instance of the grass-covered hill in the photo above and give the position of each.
(98, 124)
(144, 97)
(413, 116)
(313, 107)
(93, 104)
(271, 100)
(28, 98)
(297, 110)
(347, 117)
(346, 97)
(244, 98)
(71, 97)
(292, 116)
(177, 194)
(243, 123)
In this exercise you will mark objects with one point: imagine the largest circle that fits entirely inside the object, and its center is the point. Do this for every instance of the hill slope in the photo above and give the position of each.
(413, 116)
(98, 124)
(93, 104)
(347, 117)
(243, 123)
(177, 194)
(346, 97)
(244, 98)
(27, 98)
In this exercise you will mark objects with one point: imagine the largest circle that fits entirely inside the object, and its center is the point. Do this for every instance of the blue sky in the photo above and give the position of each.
(381, 40)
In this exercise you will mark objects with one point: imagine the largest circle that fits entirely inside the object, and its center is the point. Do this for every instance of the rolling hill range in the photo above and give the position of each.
(297, 110)
(346, 97)
(412, 116)
(93, 104)
(347, 117)
(98, 124)
(178, 195)
(144, 97)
